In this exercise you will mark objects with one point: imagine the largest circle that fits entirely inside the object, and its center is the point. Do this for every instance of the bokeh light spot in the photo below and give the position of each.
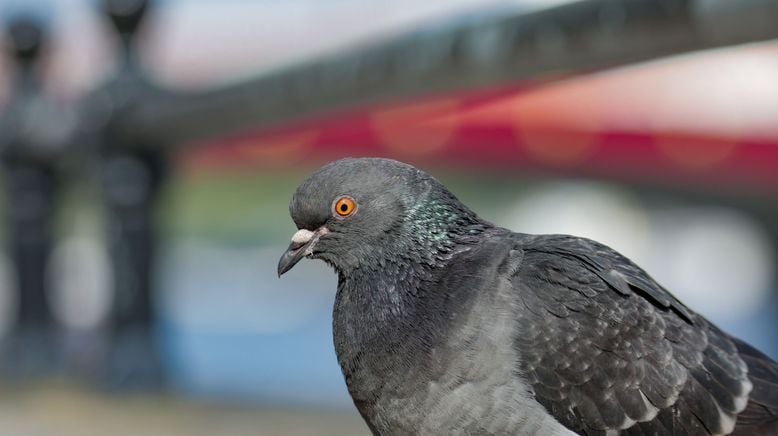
(416, 129)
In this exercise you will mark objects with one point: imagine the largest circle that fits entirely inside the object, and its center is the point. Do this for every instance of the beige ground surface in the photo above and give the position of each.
(62, 410)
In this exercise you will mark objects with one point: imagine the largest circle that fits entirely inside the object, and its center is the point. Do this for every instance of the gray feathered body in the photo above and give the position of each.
(504, 333)
(445, 324)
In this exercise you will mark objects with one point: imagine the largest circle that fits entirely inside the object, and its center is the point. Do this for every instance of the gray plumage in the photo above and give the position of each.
(446, 324)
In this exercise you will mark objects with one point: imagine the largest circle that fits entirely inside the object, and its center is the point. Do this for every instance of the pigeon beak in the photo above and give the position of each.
(301, 246)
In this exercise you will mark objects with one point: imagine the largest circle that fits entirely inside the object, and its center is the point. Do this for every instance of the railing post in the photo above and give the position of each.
(131, 175)
(32, 136)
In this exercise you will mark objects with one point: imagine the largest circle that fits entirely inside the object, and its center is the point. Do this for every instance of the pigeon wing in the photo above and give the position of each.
(606, 349)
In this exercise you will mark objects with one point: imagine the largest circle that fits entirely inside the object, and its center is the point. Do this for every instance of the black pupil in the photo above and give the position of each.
(344, 207)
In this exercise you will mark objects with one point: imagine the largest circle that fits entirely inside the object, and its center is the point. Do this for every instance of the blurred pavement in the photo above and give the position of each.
(63, 410)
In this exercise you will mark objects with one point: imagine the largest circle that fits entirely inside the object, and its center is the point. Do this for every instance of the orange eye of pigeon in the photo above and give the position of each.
(345, 206)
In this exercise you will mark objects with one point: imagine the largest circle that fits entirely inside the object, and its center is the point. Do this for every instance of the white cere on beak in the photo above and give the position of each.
(302, 236)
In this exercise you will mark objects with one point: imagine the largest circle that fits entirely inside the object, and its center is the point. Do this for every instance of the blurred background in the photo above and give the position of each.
(149, 151)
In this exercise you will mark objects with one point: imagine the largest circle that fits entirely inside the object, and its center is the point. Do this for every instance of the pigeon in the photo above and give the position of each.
(447, 324)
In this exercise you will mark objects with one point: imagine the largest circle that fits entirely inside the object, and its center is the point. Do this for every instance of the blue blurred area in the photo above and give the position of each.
(235, 331)
(760, 329)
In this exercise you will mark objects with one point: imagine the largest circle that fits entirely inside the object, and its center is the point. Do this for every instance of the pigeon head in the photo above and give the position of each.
(362, 212)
